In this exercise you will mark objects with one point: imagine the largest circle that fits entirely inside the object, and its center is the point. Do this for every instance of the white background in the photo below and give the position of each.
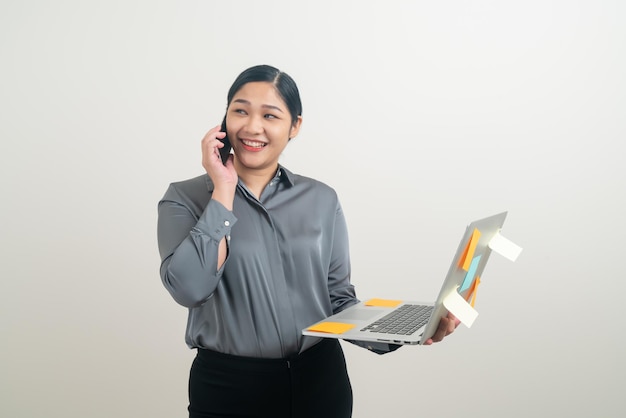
(423, 115)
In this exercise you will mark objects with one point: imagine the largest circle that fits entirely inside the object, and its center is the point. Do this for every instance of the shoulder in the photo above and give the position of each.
(194, 192)
(313, 194)
(197, 184)
(315, 184)
(312, 185)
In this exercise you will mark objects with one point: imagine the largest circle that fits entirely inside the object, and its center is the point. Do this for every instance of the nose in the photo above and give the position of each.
(254, 125)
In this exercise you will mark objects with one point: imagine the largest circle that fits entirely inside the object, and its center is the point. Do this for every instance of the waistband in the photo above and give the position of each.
(320, 350)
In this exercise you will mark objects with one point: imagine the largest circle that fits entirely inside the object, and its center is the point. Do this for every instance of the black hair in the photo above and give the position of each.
(284, 84)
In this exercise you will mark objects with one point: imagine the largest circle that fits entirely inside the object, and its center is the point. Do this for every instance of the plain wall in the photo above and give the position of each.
(423, 116)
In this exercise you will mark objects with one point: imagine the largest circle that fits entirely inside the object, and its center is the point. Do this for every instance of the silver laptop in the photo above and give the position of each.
(412, 322)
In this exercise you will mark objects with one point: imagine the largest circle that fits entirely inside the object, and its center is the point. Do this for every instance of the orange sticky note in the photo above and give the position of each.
(332, 327)
(473, 298)
(472, 292)
(468, 253)
(383, 302)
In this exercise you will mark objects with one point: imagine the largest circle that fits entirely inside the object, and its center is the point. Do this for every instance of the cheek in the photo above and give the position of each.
(233, 125)
(280, 132)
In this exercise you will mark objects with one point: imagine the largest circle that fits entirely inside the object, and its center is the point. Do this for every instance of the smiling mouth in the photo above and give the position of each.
(253, 144)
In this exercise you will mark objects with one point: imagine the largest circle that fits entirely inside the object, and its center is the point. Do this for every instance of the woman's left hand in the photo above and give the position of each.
(447, 325)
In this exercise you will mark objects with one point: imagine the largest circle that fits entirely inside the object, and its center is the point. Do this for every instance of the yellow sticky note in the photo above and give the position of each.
(468, 253)
(332, 327)
(383, 302)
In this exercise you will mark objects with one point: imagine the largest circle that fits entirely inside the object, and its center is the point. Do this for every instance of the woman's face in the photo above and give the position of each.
(259, 126)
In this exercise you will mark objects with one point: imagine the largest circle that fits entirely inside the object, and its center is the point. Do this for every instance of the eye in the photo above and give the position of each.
(240, 111)
(270, 116)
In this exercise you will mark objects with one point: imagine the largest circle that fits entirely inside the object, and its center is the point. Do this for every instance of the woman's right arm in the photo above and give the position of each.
(193, 251)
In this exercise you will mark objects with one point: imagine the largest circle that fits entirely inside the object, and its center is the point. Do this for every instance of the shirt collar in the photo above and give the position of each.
(282, 174)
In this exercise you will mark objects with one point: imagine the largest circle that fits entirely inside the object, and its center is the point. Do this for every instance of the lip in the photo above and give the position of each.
(252, 148)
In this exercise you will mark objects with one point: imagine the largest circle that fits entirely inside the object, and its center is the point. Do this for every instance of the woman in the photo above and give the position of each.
(258, 253)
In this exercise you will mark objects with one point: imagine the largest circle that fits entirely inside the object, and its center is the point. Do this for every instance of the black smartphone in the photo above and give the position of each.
(225, 150)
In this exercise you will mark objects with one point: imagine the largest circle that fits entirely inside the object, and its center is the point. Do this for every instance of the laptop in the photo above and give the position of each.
(408, 322)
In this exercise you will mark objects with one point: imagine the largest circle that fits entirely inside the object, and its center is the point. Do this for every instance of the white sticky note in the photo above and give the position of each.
(460, 308)
(504, 247)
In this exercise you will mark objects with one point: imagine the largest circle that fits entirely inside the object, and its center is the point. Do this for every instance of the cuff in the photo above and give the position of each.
(216, 221)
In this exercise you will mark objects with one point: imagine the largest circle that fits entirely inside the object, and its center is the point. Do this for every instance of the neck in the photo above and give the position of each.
(256, 180)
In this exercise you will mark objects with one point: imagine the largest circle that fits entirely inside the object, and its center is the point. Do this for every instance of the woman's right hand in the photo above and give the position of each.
(224, 176)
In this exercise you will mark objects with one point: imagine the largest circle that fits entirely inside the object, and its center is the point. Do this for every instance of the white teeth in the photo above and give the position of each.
(254, 144)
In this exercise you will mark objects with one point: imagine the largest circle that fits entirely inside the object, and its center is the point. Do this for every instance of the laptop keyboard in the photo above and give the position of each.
(403, 321)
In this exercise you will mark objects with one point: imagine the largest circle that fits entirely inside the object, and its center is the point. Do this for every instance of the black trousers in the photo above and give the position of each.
(314, 384)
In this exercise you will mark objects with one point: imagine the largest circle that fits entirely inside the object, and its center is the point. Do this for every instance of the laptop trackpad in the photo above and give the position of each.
(359, 314)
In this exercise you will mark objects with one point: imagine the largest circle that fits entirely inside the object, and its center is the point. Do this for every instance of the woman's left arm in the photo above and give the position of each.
(341, 291)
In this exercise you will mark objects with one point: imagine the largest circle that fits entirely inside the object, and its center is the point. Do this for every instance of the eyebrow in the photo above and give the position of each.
(267, 106)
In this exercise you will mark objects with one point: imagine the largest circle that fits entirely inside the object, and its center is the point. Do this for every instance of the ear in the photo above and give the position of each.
(295, 128)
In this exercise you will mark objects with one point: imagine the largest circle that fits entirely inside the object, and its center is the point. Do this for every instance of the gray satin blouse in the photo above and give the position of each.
(288, 263)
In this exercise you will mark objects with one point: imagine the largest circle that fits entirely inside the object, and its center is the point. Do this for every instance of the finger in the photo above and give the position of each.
(454, 319)
(211, 142)
(211, 145)
(451, 327)
(454, 322)
(213, 130)
(230, 161)
(441, 330)
(213, 133)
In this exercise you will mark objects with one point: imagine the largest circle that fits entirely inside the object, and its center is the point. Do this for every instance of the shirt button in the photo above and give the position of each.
(227, 223)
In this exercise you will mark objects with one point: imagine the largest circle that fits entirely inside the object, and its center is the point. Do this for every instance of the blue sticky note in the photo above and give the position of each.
(471, 272)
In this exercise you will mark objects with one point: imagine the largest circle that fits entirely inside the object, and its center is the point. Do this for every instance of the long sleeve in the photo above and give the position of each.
(341, 291)
(189, 246)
